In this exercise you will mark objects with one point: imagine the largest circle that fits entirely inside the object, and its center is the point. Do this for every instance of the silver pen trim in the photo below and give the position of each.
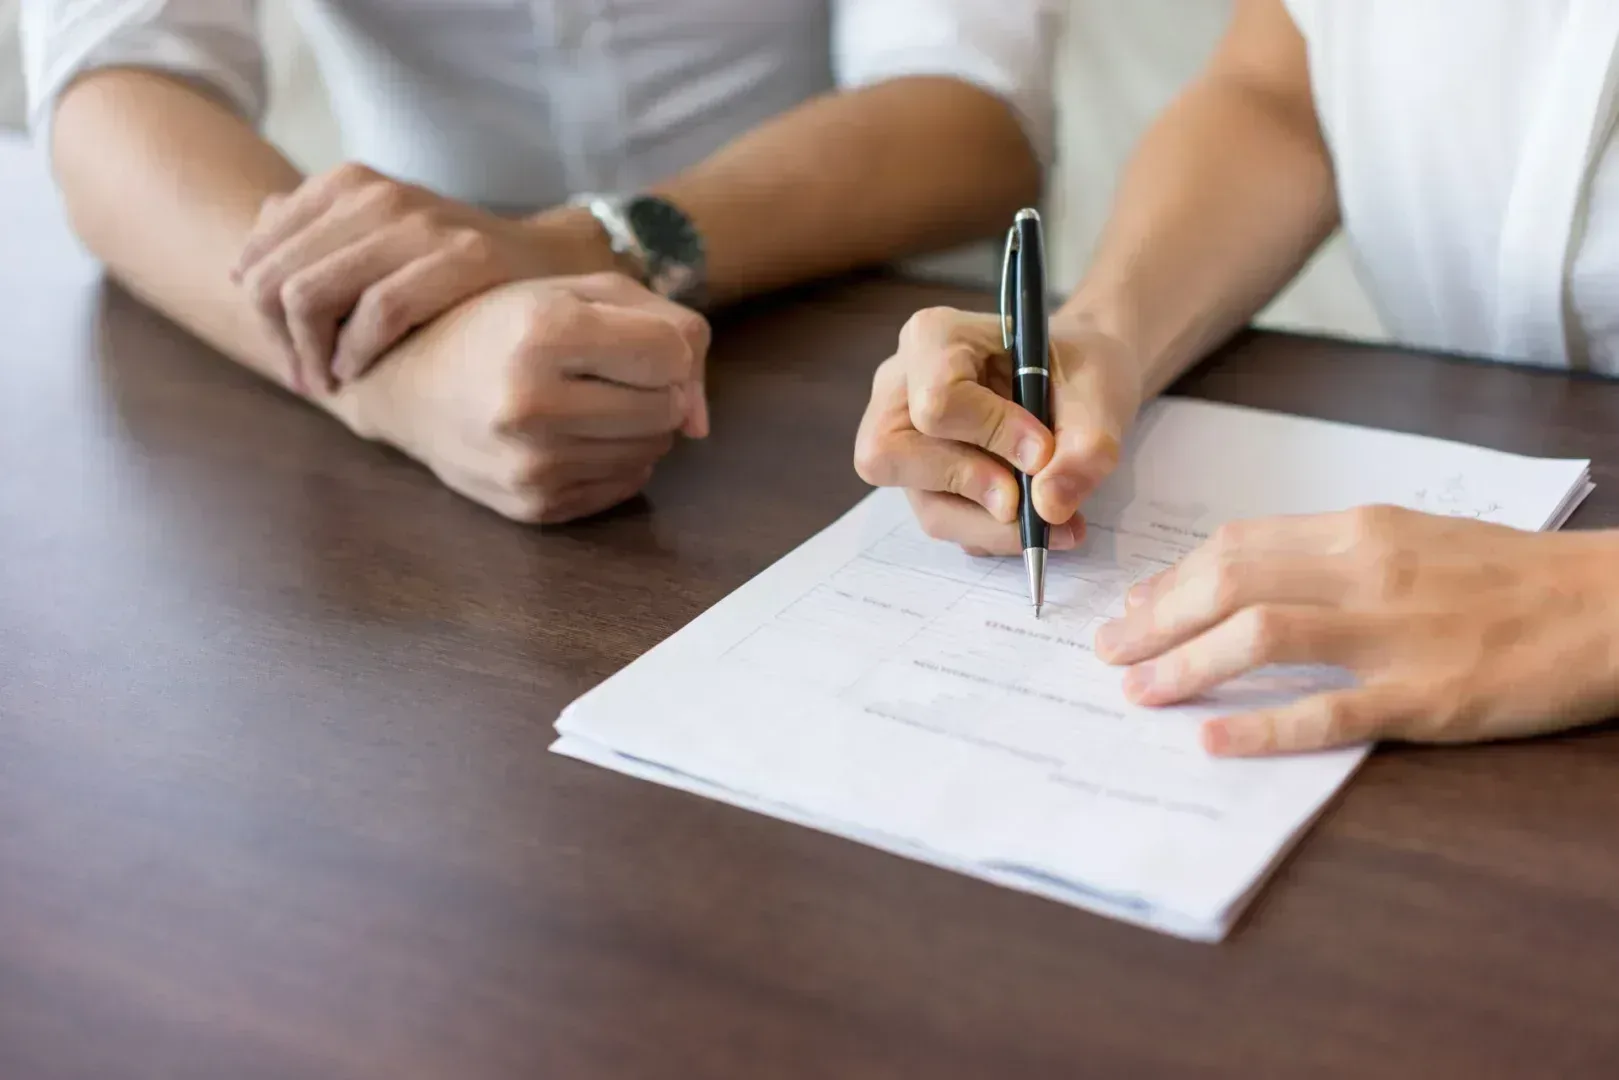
(1032, 371)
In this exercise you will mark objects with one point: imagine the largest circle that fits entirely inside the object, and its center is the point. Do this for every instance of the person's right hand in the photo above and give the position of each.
(941, 425)
(545, 400)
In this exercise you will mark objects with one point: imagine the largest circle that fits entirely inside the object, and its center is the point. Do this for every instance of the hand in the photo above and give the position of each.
(1459, 630)
(352, 261)
(543, 400)
(941, 424)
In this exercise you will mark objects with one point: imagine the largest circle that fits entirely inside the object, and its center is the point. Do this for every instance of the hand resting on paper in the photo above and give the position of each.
(1458, 630)
(942, 425)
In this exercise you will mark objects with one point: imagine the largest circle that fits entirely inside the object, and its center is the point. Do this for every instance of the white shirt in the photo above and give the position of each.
(522, 103)
(1473, 143)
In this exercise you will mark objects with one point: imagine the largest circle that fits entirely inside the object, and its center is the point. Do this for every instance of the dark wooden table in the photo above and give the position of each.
(275, 799)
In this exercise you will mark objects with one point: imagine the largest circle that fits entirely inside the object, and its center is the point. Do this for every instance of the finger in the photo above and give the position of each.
(1090, 407)
(952, 518)
(948, 401)
(1212, 588)
(576, 459)
(1248, 640)
(318, 299)
(272, 212)
(1320, 722)
(628, 346)
(594, 409)
(588, 499)
(399, 299)
(620, 291)
(912, 460)
(1239, 542)
(616, 291)
(282, 216)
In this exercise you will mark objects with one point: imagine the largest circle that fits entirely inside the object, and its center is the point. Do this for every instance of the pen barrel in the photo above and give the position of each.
(1033, 392)
(1031, 356)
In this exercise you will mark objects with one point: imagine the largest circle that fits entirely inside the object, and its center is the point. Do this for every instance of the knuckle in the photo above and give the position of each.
(419, 221)
(871, 459)
(612, 281)
(529, 507)
(264, 289)
(1226, 539)
(695, 330)
(1227, 582)
(380, 312)
(961, 478)
(928, 327)
(352, 174)
(531, 470)
(300, 295)
(473, 245)
(1369, 526)
(1263, 630)
(551, 320)
(1335, 722)
(381, 195)
(930, 408)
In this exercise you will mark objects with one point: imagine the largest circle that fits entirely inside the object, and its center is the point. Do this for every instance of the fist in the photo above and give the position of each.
(941, 424)
(543, 400)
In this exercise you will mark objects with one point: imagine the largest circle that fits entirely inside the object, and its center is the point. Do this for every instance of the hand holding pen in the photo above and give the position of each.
(942, 424)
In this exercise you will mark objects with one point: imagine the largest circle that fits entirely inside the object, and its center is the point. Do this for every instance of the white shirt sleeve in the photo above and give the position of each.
(1007, 47)
(212, 41)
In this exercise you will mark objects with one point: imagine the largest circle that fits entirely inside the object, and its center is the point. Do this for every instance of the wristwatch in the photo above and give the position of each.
(656, 240)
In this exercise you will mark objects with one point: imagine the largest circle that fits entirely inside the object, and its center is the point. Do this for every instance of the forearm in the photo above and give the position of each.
(163, 184)
(1225, 201)
(855, 179)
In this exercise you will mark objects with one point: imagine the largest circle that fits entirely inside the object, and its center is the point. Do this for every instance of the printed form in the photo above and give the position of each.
(886, 687)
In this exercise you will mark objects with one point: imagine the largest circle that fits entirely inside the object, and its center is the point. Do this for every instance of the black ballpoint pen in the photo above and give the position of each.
(1024, 334)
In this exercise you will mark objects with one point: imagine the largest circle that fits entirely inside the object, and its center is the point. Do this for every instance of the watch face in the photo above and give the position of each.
(665, 232)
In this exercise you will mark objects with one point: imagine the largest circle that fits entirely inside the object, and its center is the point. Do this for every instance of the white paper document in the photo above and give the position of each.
(888, 688)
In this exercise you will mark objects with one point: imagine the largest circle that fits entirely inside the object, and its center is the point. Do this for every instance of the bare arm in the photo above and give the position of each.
(163, 184)
(1226, 199)
(847, 180)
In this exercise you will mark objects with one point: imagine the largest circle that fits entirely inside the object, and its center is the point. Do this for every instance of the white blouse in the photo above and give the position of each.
(522, 103)
(1478, 175)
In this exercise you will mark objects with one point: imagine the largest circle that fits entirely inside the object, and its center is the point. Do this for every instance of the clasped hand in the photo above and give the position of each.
(543, 397)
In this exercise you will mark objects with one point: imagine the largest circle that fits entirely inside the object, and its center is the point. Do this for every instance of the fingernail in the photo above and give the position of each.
(1139, 680)
(1028, 455)
(1216, 737)
(1064, 490)
(1064, 537)
(998, 502)
(1136, 596)
(1109, 637)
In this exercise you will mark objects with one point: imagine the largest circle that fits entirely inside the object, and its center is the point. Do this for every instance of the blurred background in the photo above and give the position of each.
(1118, 65)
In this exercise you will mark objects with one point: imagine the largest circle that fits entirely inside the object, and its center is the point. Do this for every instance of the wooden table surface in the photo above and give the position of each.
(275, 798)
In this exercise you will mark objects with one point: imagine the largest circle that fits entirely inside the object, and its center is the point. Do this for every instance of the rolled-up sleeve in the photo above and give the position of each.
(214, 42)
(1006, 47)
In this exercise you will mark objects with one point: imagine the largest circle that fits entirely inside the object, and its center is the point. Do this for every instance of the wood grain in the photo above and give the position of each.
(275, 799)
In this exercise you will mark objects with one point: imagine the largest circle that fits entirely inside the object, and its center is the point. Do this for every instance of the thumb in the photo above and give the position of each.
(1092, 403)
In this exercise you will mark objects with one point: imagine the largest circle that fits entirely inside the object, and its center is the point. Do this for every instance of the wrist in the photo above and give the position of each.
(572, 241)
(1088, 313)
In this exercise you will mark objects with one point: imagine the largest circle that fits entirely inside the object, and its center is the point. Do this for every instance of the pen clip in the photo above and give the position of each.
(1008, 300)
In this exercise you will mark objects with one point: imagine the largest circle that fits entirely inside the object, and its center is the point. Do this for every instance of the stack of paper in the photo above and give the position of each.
(888, 688)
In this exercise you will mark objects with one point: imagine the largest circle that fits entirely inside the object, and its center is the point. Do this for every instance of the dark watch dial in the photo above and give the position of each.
(668, 237)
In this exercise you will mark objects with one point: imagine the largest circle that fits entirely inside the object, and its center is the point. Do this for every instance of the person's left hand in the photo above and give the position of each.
(351, 261)
(1459, 630)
